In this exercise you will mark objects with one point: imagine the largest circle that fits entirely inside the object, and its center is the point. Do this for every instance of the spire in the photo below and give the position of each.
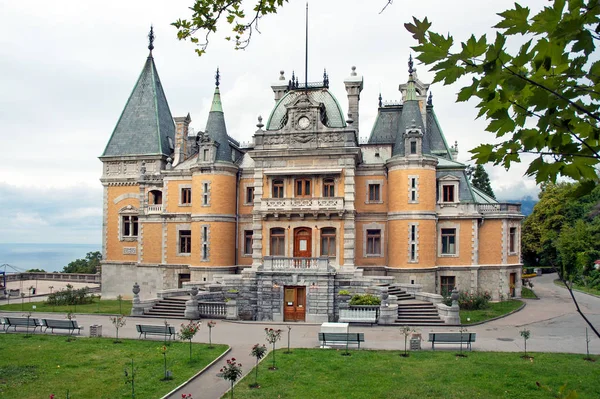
(410, 64)
(215, 125)
(151, 40)
(145, 126)
(430, 99)
(411, 92)
(380, 103)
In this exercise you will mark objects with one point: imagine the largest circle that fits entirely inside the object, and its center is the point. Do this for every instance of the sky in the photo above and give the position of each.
(68, 67)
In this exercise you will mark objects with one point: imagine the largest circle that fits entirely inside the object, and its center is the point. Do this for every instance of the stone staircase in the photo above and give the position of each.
(167, 308)
(412, 312)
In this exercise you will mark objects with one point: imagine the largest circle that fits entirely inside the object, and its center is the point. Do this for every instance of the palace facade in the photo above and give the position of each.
(304, 210)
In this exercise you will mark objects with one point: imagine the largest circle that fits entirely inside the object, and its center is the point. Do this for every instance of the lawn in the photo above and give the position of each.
(577, 287)
(105, 306)
(319, 373)
(41, 365)
(494, 309)
(528, 293)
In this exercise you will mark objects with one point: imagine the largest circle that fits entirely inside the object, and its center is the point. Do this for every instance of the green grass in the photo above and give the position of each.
(527, 293)
(319, 373)
(577, 287)
(494, 309)
(40, 365)
(107, 306)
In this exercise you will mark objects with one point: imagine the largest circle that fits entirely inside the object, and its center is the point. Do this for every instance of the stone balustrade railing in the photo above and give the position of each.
(215, 310)
(154, 209)
(499, 208)
(297, 264)
(70, 277)
(308, 205)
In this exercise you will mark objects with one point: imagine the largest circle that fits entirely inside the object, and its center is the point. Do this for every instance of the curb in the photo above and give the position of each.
(496, 318)
(197, 374)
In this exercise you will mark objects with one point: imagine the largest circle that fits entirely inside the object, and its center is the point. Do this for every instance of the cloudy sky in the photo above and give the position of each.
(68, 67)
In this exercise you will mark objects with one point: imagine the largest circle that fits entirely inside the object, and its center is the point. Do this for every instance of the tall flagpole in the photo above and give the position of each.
(306, 53)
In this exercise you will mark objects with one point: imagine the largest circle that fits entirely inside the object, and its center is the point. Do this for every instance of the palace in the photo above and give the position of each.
(303, 211)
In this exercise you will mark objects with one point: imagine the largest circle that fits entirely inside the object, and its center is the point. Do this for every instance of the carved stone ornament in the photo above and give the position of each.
(276, 139)
(136, 289)
(331, 138)
(194, 292)
(303, 138)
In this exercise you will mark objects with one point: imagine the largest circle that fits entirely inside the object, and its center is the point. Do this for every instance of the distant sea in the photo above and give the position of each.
(49, 257)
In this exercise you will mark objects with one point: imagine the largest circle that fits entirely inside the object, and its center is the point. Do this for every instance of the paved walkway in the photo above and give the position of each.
(554, 324)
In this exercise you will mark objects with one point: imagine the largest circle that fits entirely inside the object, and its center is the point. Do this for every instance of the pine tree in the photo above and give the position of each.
(481, 181)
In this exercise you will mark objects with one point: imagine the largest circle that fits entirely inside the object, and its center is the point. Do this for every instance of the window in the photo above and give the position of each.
(328, 242)
(412, 189)
(249, 195)
(248, 242)
(155, 197)
(373, 242)
(328, 188)
(185, 241)
(205, 154)
(412, 243)
(447, 284)
(205, 243)
(130, 226)
(448, 241)
(277, 242)
(302, 187)
(448, 193)
(205, 194)
(186, 196)
(374, 192)
(512, 240)
(413, 147)
(278, 191)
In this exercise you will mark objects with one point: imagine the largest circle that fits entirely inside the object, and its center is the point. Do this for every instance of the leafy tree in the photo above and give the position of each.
(35, 271)
(542, 99)
(481, 180)
(88, 265)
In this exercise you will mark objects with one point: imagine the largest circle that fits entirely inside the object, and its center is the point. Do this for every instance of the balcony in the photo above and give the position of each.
(154, 209)
(500, 208)
(278, 263)
(316, 205)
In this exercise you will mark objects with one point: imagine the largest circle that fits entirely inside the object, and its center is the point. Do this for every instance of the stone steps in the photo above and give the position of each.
(167, 308)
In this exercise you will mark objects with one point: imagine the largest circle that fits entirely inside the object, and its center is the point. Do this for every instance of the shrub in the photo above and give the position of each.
(468, 301)
(365, 299)
(344, 292)
(69, 296)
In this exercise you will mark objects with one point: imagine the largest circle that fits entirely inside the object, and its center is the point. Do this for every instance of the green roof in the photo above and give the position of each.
(146, 124)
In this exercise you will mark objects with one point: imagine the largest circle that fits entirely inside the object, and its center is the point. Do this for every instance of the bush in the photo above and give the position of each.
(69, 297)
(344, 292)
(468, 301)
(365, 299)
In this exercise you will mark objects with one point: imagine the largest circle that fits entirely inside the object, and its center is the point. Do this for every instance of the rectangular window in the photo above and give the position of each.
(448, 193)
(248, 242)
(373, 242)
(512, 240)
(185, 241)
(413, 243)
(374, 192)
(249, 195)
(413, 252)
(413, 233)
(205, 155)
(278, 191)
(303, 188)
(277, 242)
(413, 195)
(448, 241)
(130, 226)
(328, 188)
(204, 242)
(328, 242)
(413, 147)
(186, 196)
(447, 284)
(205, 194)
(413, 182)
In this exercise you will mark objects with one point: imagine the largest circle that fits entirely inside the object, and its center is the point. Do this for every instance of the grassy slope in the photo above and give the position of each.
(495, 309)
(318, 373)
(106, 306)
(577, 287)
(43, 364)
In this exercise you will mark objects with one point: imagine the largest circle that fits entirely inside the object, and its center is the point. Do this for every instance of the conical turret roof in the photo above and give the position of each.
(215, 126)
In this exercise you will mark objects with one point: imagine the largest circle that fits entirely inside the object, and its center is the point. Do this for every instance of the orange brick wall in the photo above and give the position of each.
(221, 244)
(242, 208)
(152, 243)
(465, 245)
(173, 194)
(114, 247)
(398, 190)
(362, 194)
(490, 242)
(222, 194)
(398, 243)
(360, 258)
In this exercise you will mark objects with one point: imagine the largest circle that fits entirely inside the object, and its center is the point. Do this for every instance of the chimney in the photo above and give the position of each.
(280, 87)
(182, 126)
(354, 85)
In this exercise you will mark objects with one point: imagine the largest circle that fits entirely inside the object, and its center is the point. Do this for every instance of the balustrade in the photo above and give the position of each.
(215, 310)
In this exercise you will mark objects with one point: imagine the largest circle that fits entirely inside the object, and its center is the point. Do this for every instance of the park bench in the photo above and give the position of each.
(70, 325)
(22, 322)
(451, 338)
(358, 316)
(155, 330)
(341, 338)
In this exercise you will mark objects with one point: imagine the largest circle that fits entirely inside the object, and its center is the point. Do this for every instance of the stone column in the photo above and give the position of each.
(191, 306)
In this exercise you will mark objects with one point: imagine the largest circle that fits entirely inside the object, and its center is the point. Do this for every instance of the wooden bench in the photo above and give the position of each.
(451, 338)
(155, 330)
(341, 338)
(22, 322)
(70, 325)
(358, 316)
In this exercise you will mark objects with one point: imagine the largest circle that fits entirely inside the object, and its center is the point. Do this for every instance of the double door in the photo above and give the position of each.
(294, 307)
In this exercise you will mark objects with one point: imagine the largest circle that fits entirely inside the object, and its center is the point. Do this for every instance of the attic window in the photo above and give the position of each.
(413, 147)
(205, 154)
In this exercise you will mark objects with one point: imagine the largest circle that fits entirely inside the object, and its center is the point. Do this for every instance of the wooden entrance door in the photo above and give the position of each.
(294, 308)
(302, 246)
(512, 284)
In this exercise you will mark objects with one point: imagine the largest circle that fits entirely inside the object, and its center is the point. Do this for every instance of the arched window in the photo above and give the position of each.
(328, 242)
(155, 197)
(277, 242)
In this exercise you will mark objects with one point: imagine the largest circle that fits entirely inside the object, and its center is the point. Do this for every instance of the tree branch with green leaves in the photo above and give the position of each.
(540, 99)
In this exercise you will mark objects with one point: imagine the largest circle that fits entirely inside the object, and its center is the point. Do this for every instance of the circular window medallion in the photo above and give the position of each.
(303, 122)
